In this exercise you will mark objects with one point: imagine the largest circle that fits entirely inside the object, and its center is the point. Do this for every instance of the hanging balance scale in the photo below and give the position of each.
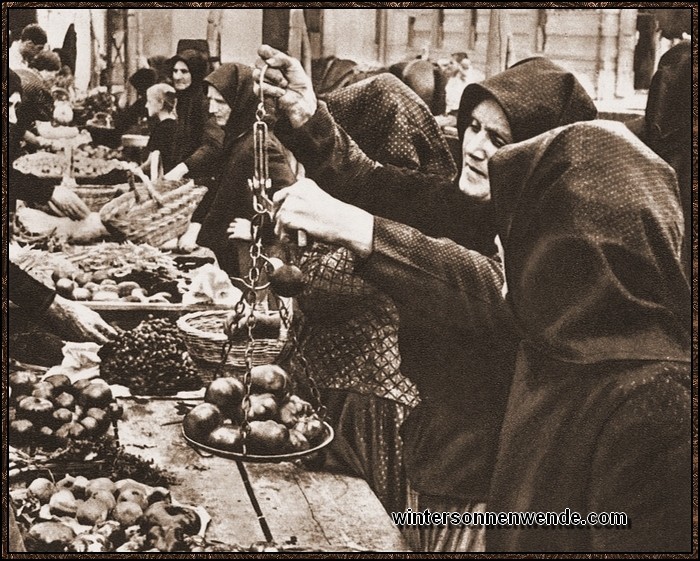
(285, 282)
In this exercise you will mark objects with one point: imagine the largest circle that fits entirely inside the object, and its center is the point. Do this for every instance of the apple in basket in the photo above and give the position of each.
(267, 326)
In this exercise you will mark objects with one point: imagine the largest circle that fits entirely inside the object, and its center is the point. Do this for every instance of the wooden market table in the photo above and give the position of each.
(287, 503)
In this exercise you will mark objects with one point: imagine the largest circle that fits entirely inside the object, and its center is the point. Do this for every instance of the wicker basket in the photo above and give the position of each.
(97, 196)
(205, 338)
(152, 214)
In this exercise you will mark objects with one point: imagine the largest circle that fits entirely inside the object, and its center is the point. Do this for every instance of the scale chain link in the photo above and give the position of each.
(260, 184)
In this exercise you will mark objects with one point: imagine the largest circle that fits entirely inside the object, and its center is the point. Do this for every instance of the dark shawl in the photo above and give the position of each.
(233, 198)
(392, 125)
(598, 417)
(668, 127)
(192, 110)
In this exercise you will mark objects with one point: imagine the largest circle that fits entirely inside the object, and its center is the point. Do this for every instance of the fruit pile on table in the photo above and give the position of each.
(278, 421)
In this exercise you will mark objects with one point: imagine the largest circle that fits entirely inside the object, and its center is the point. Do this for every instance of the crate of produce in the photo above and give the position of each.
(82, 165)
(108, 513)
(122, 275)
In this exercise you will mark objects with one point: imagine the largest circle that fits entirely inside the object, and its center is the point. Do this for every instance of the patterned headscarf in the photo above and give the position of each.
(592, 229)
(536, 96)
(392, 125)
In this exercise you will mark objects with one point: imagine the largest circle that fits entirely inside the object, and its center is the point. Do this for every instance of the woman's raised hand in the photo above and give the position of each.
(305, 206)
(286, 81)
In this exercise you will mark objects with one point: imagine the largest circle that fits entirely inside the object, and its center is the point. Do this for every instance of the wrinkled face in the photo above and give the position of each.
(182, 79)
(29, 49)
(14, 102)
(218, 106)
(487, 131)
(153, 104)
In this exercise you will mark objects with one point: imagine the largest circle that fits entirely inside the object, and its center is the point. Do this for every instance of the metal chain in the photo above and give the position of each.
(299, 352)
(251, 297)
(260, 184)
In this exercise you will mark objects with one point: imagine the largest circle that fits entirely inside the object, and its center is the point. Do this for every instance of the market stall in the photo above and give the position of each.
(137, 448)
(108, 450)
(284, 503)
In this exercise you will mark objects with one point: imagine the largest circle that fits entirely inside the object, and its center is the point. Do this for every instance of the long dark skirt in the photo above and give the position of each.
(367, 442)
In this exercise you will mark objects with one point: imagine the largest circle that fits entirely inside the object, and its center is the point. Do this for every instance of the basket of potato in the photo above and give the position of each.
(281, 425)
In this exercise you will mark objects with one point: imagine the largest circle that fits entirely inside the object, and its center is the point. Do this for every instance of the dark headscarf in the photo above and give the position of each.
(536, 96)
(234, 82)
(196, 63)
(592, 229)
(192, 106)
(143, 79)
(392, 125)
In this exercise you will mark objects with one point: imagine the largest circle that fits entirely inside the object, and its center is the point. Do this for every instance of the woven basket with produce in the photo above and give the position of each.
(206, 333)
(97, 196)
(152, 212)
(56, 166)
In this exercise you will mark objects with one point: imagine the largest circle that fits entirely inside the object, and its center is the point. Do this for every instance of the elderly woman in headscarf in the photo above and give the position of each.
(233, 105)
(598, 418)
(198, 136)
(198, 139)
(462, 368)
(598, 415)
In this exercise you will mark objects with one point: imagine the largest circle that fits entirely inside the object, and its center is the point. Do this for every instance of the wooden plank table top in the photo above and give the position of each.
(319, 510)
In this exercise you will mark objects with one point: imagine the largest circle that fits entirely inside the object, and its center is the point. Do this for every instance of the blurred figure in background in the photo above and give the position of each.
(134, 119)
(31, 42)
(37, 80)
(161, 104)
(38, 303)
(461, 73)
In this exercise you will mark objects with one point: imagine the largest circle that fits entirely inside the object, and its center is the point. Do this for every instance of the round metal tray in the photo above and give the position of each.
(259, 458)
